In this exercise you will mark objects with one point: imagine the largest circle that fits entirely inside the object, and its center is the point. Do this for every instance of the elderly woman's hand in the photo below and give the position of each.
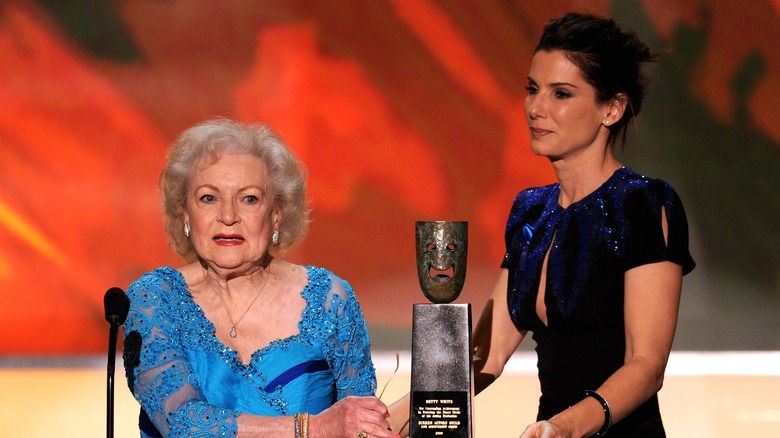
(350, 417)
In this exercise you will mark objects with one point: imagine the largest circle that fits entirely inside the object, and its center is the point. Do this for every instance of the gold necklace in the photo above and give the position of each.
(233, 332)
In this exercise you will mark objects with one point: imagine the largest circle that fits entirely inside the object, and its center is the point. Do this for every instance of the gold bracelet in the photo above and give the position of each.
(305, 428)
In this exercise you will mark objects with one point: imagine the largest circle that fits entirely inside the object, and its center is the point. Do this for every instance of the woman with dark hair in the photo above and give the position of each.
(594, 262)
(238, 342)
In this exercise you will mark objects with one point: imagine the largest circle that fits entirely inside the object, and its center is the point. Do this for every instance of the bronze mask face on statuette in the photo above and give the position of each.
(442, 249)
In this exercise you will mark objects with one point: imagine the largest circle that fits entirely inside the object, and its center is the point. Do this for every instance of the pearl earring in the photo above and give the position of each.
(275, 237)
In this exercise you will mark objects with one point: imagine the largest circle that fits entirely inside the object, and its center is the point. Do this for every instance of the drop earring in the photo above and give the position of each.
(275, 237)
(187, 230)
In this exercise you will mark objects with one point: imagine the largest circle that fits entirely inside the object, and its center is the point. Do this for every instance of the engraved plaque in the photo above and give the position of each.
(440, 414)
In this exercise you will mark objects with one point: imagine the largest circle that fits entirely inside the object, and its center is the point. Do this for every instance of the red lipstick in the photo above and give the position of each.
(228, 239)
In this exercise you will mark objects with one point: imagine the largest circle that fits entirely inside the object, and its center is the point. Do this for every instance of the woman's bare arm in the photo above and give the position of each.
(495, 338)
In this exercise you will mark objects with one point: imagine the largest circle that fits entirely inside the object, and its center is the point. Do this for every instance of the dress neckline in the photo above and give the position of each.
(585, 199)
(229, 354)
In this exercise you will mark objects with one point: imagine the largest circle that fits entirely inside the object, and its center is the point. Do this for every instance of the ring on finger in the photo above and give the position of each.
(362, 435)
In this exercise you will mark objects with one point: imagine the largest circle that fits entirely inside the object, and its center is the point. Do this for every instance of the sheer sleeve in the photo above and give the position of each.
(347, 348)
(158, 372)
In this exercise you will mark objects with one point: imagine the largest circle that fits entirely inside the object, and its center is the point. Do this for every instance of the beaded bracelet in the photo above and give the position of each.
(604, 405)
(302, 425)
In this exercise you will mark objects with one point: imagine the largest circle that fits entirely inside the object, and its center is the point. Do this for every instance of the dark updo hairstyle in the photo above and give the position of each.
(609, 58)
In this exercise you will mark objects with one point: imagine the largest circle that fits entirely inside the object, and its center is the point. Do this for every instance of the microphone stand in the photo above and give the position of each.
(112, 335)
(116, 305)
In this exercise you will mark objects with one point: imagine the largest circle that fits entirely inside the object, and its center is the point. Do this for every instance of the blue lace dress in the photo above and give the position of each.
(190, 384)
(592, 244)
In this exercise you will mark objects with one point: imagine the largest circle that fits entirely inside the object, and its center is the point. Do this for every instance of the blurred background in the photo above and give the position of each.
(402, 110)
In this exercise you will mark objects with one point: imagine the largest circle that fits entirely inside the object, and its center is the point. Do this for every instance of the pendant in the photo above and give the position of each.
(233, 333)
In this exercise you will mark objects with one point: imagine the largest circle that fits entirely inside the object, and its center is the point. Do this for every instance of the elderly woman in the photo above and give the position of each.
(238, 342)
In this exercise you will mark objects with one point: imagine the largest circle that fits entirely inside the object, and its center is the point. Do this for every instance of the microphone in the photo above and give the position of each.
(116, 305)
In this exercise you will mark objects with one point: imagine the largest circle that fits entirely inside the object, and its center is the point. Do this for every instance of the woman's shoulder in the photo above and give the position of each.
(533, 201)
(534, 195)
(159, 282)
(629, 184)
(324, 280)
(327, 295)
(163, 274)
(631, 180)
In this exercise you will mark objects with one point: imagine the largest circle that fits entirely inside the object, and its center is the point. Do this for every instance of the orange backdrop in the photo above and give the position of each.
(403, 110)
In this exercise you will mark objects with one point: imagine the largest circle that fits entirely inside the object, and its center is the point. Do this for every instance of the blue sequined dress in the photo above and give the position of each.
(190, 384)
(592, 244)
